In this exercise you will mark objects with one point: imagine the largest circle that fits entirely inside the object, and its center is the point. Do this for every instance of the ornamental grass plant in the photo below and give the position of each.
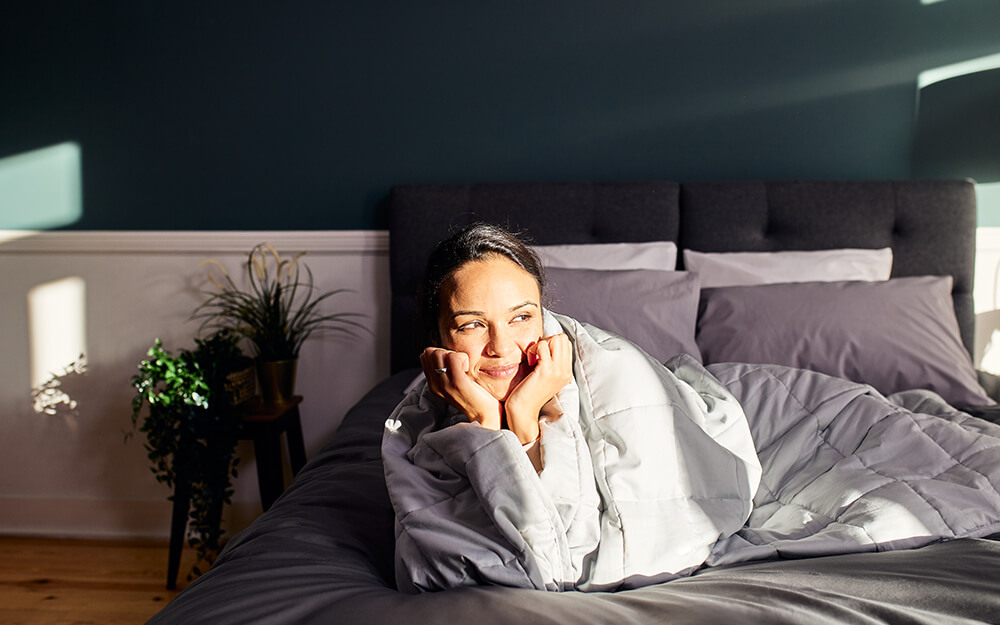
(278, 310)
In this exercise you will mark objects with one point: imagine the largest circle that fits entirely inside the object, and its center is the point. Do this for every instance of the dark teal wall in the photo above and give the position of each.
(267, 115)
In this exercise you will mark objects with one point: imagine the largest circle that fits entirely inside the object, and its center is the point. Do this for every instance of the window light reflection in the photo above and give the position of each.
(57, 331)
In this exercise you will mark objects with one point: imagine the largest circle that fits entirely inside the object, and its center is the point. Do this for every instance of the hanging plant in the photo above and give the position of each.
(192, 427)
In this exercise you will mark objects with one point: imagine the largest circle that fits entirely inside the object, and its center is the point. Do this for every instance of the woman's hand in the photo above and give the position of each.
(553, 358)
(457, 388)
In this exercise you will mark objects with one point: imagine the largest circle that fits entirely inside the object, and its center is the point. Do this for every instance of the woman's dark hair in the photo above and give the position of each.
(474, 242)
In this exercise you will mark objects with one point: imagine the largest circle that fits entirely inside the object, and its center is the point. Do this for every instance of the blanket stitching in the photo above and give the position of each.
(605, 505)
(788, 500)
(517, 552)
(896, 410)
(955, 462)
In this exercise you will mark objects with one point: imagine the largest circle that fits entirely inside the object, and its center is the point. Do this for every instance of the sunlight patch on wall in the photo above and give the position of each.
(988, 204)
(57, 330)
(41, 189)
(931, 76)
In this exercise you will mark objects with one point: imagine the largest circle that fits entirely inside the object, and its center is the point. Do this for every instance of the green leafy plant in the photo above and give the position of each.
(192, 427)
(278, 311)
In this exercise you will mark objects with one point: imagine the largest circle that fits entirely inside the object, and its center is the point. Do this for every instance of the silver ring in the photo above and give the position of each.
(441, 370)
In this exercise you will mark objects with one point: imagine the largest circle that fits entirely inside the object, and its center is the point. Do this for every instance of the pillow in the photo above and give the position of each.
(895, 335)
(661, 255)
(656, 310)
(746, 268)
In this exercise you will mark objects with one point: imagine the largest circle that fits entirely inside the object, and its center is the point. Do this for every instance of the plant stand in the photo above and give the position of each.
(263, 424)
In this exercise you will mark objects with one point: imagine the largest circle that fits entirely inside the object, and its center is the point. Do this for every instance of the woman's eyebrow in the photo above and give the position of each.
(526, 302)
(479, 313)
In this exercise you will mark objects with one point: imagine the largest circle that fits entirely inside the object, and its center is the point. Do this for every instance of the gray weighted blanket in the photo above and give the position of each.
(653, 475)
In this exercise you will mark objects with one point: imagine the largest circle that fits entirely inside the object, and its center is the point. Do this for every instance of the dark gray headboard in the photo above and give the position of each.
(929, 224)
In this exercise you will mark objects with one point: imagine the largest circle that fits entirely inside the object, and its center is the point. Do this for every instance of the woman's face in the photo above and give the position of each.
(491, 310)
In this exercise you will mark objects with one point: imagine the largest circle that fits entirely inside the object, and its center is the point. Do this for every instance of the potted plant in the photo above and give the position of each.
(277, 311)
(192, 427)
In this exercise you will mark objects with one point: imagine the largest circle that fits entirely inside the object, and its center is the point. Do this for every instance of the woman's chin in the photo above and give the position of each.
(500, 391)
(501, 388)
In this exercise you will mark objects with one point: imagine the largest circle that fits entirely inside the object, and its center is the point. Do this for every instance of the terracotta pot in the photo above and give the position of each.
(277, 380)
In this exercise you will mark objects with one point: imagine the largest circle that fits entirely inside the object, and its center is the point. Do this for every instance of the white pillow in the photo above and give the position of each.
(750, 268)
(661, 255)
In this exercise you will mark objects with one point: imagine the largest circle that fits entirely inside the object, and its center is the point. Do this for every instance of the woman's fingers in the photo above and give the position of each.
(447, 374)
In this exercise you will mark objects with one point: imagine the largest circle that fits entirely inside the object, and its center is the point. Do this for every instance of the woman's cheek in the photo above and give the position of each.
(462, 346)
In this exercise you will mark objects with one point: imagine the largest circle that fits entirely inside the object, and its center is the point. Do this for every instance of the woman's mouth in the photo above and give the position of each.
(501, 371)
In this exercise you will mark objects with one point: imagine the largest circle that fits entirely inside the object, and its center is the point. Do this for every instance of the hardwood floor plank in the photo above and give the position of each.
(64, 581)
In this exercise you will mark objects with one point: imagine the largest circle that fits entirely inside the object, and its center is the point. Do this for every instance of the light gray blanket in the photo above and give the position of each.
(649, 466)
(847, 470)
(653, 476)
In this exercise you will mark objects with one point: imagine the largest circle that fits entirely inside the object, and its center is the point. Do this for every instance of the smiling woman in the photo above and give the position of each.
(531, 427)
(483, 306)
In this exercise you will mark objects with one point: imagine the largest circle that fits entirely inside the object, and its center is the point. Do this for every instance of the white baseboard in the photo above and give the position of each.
(104, 518)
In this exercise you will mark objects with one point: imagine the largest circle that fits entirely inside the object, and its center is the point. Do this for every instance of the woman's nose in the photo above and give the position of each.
(500, 342)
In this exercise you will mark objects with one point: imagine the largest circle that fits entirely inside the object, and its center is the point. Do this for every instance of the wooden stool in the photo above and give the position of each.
(263, 424)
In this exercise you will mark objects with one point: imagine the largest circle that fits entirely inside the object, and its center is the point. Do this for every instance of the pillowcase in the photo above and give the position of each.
(895, 335)
(747, 268)
(661, 255)
(656, 310)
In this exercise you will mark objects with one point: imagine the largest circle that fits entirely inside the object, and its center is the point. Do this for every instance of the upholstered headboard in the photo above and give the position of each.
(930, 226)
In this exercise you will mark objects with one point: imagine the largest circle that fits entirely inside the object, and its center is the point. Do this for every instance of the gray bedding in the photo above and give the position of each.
(324, 554)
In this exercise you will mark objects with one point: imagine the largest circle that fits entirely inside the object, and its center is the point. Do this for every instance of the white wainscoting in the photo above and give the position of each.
(986, 293)
(71, 473)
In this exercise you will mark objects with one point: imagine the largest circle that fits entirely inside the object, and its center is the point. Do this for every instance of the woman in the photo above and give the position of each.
(633, 470)
(482, 305)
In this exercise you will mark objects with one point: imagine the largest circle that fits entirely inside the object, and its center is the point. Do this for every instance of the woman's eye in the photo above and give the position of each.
(523, 317)
(472, 325)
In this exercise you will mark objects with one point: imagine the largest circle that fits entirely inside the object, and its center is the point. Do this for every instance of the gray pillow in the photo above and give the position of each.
(895, 335)
(656, 310)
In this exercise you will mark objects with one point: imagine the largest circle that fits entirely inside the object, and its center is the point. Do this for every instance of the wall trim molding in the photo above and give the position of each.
(105, 518)
(191, 242)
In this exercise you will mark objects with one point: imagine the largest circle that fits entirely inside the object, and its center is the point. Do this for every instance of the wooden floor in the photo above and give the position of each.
(54, 581)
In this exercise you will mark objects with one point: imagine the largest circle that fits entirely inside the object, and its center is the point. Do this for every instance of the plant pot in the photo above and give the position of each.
(242, 384)
(277, 380)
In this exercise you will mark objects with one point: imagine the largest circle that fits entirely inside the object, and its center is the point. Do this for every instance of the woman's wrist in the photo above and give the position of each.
(489, 417)
(523, 422)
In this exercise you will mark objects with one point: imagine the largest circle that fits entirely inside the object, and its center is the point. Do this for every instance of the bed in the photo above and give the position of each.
(324, 552)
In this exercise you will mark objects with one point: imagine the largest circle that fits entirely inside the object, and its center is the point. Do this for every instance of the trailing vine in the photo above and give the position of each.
(192, 427)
